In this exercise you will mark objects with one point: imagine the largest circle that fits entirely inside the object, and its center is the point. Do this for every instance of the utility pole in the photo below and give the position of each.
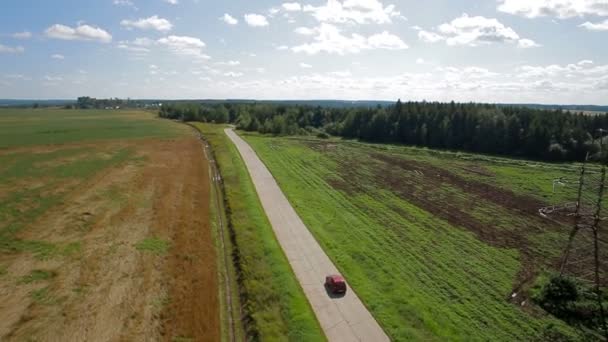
(577, 260)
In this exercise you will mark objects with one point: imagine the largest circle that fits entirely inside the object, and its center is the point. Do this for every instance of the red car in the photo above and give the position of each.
(335, 284)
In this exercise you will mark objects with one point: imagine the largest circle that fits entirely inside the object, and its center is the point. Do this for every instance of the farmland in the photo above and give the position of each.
(274, 305)
(435, 243)
(104, 230)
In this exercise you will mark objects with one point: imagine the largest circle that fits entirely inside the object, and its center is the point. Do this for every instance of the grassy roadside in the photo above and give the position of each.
(217, 216)
(275, 307)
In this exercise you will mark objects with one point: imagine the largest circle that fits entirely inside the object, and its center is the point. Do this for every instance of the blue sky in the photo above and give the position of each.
(545, 51)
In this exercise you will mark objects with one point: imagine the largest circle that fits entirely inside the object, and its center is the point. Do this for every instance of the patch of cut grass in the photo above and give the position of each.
(43, 296)
(161, 302)
(153, 245)
(71, 249)
(274, 301)
(81, 290)
(37, 276)
(3, 270)
(42, 250)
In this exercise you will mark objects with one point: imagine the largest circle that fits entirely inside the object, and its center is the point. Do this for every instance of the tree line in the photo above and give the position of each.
(86, 102)
(553, 135)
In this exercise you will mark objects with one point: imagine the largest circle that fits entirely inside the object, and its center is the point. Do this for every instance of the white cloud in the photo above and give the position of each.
(330, 39)
(57, 56)
(228, 19)
(355, 11)
(126, 3)
(172, 2)
(386, 41)
(233, 74)
(256, 20)
(81, 32)
(305, 31)
(282, 47)
(139, 46)
(273, 11)
(429, 37)
(53, 78)
(558, 8)
(137, 50)
(151, 23)
(601, 26)
(18, 77)
(345, 73)
(185, 46)
(578, 71)
(10, 49)
(466, 73)
(475, 31)
(22, 35)
(305, 66)
(143, 41)
(292, 6)
(229, 63)
(420, 61)
(527, 43)
(444, 84)
(211, 70)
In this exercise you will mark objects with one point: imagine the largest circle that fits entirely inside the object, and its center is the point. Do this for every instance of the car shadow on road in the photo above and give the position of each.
(333, 295)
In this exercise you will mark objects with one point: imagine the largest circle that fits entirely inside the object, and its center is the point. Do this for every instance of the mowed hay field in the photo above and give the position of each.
(434, 243)
(104, 230)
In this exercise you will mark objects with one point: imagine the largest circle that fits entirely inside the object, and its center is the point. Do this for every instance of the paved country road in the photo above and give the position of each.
(342, 319)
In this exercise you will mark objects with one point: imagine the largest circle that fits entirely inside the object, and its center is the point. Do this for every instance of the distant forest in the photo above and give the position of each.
(552, 135)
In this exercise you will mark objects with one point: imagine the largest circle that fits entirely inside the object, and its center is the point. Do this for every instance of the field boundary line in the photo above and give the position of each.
(215, 179)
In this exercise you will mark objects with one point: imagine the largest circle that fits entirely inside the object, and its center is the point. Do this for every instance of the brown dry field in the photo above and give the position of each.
(110, 290)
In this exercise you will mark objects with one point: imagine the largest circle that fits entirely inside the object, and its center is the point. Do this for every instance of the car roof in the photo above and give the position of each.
(336, 277)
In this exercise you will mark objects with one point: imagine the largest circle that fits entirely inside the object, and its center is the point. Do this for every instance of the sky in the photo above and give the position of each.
(508, 51)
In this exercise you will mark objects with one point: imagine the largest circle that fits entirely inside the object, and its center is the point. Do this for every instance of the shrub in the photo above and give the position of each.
(323, 135)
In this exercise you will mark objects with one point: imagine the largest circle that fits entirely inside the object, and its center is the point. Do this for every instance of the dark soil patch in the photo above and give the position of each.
(502, 197)
(424, 185)
(423, 191)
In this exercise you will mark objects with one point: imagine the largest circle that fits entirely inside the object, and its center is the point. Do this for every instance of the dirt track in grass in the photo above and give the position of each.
(132, 256)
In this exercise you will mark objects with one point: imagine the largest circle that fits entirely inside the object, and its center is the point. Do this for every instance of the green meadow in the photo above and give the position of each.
(434, 243)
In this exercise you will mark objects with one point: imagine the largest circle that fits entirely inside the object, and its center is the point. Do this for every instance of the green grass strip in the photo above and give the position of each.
(273, 298)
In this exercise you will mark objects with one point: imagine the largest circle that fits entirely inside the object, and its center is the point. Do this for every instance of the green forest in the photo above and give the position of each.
(517, 131)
